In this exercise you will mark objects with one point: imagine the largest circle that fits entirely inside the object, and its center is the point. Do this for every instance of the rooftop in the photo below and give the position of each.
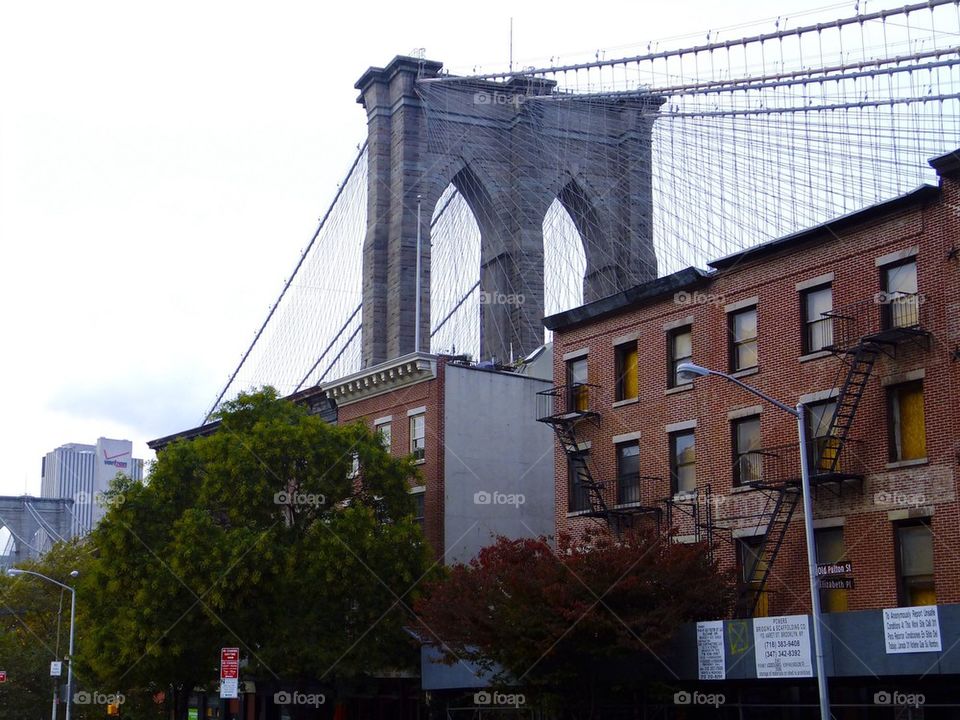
(691, 278)
(828, 229)
(686, 279)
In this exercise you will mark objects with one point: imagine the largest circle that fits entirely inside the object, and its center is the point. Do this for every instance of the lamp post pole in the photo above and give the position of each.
(815, 609)
(13, 572)
(73, 612)
(800, 413)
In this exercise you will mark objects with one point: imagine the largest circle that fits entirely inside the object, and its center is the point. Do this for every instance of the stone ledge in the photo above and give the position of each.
(382, 378)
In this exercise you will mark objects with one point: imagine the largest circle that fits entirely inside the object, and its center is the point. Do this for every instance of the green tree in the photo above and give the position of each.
(34, 630)
(562, 625)
(259, 536)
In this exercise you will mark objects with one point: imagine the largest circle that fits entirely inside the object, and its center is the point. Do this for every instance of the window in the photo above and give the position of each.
(626, 369)
(680, 346)
(751, 569)
(578, 399)
(577, 498)
(385, 430)
(823, 448)
(354, 466)
(683, 462)
(418, 434)
(747, 460)
(901, 302)
(905, 418)
(915, 564)
(831, 549)
(628, 472)
(418, 507)
(817, 326)
(743, 339)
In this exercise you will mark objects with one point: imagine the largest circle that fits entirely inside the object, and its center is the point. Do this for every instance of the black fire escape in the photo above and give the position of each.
(858, 334)
(565, 408)
(861, 333)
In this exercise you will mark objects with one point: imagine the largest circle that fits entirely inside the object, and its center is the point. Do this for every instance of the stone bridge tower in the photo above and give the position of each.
(511, 149)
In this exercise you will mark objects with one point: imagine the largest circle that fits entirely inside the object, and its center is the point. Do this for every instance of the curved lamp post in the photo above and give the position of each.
(692, 370)
(13, 572)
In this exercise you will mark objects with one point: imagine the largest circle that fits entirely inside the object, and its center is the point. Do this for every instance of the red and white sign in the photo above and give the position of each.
(3, 675)
(229, 672)
(229, 663)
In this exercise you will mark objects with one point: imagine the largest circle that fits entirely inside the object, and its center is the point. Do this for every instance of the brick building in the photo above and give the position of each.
(485, 468)
(859, 319)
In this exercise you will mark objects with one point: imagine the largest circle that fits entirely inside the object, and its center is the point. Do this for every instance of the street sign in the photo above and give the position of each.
(229, 663)
(834, 569)
(3, 675)
(56, 668)
(841, 583)
(229, 673)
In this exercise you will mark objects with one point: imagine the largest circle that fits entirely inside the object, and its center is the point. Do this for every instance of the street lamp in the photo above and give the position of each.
(691, 370)
(13, 572)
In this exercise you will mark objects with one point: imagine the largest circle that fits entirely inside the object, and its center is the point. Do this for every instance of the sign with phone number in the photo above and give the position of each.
(782, 646)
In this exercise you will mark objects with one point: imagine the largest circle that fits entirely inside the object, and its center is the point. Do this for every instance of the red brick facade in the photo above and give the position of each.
(930, 223)
(428, 394)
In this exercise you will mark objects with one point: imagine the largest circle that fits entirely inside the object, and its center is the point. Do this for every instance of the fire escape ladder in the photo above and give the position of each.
(581, 471)
(861, 366)
(785, 503)
(563, 408)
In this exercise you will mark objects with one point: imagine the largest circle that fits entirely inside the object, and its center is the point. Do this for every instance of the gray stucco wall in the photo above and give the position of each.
(494, 446)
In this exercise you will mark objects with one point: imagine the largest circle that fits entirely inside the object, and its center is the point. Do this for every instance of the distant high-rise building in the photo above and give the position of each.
(83, 473)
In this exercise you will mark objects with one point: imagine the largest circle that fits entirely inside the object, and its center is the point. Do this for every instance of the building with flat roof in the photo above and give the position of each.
(82, 473)
(485, 469)
(859, 320)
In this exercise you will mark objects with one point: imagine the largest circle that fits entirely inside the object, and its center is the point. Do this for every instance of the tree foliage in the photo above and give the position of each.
(34, 631)
(258, 536)
(557, 621)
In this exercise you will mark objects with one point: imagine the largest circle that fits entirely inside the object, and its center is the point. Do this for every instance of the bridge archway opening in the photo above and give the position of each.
(564, 261)
(460, 248)
(454, 273)
(8, 545)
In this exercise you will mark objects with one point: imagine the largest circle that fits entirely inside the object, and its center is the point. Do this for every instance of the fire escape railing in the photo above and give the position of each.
(565, 408)
(884, 319)
(771, 467)
(860, 332)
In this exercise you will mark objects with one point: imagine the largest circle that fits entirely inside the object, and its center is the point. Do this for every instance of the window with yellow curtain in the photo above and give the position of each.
(831, 549)
(579, 398)
(626, 369)
(907, 431)
(823, 446)
(915, 564)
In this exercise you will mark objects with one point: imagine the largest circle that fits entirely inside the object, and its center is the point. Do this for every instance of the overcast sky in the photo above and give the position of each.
(162, 165)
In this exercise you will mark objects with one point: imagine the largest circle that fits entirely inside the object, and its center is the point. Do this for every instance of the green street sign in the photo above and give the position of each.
(193, 714)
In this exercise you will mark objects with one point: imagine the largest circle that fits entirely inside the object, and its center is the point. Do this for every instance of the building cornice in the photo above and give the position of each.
(383, 378)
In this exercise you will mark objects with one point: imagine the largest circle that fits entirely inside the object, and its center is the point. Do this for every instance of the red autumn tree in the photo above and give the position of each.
(557, 621)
